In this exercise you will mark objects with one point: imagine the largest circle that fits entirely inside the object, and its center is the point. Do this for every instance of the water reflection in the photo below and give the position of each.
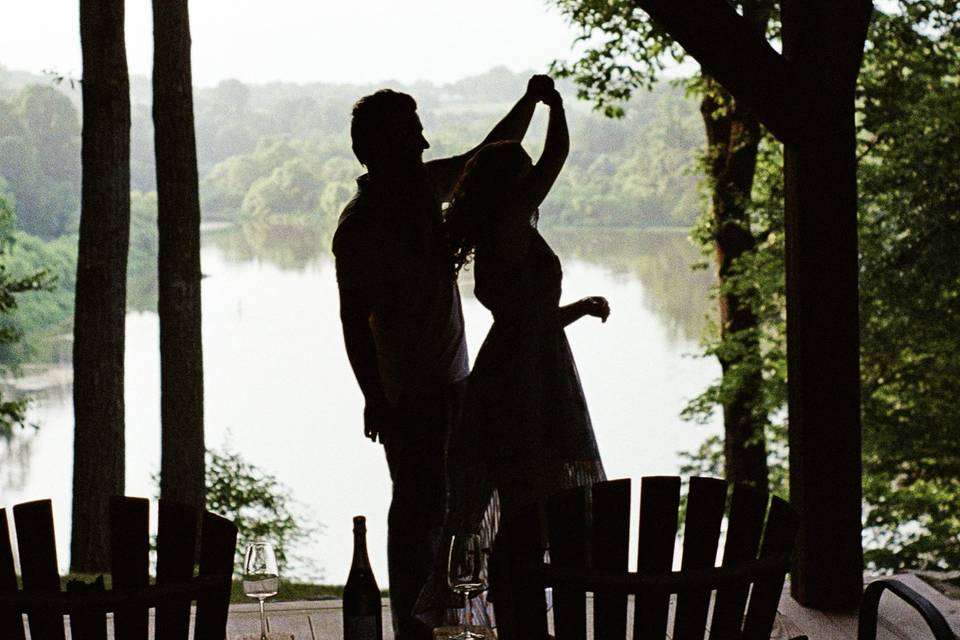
(278, 385)
(44, 386)
(15, 456)
(661, 260)
(291, 245)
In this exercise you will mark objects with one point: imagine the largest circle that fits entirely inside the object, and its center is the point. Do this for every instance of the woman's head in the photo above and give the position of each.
(489, 181)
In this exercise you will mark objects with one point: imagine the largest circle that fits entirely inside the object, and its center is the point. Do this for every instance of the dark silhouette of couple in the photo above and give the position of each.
(464, 454)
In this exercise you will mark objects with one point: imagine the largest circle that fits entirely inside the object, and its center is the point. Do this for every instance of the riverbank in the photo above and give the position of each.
(36, 379)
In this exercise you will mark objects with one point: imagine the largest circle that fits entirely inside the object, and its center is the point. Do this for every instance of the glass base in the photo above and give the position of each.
(466, 634)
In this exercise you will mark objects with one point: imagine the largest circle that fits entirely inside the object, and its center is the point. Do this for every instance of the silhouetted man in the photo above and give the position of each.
(402, 321)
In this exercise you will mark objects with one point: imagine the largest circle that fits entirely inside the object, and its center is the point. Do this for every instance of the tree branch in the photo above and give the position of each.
(731, 50)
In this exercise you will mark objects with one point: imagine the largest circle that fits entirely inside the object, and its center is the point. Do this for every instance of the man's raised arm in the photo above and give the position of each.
(445, 172)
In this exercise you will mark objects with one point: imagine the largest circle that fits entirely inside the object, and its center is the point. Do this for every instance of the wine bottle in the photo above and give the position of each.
(362, 610)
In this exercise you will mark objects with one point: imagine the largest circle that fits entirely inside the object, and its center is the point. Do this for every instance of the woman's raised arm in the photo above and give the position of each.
(445, 172)
(512, 237)
(538, 182)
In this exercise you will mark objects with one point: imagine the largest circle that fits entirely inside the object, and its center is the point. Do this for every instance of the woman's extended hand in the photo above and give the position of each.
(596, 306)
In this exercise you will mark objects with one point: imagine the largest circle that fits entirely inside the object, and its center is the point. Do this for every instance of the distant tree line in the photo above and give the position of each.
(40, 160)
(279, 149)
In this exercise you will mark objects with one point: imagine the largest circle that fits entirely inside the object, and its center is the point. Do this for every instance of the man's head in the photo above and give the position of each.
(386, 131)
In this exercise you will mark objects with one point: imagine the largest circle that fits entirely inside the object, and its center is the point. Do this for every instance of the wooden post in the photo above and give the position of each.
(823, 372)
(823, 349)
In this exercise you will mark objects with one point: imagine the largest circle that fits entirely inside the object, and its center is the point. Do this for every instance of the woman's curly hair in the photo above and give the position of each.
(492, 173)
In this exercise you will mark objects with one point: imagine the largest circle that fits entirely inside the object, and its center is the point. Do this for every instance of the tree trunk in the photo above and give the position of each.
(181, 351)
(733, 136)
(101, 286)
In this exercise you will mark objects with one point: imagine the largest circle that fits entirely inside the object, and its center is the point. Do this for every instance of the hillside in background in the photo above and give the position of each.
(273, 150)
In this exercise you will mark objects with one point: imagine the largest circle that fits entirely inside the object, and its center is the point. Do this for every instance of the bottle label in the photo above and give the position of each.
(361, 628)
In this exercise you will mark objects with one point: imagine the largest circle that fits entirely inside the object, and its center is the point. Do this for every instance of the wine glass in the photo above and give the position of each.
(467, 576)
(261, 577)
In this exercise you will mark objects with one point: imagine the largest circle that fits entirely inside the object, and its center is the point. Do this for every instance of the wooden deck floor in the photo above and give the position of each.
(322, 620)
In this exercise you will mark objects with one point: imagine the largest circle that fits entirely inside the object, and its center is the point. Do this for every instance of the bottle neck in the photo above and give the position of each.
(360, 558)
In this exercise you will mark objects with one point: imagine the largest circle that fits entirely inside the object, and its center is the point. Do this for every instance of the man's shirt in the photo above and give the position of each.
(391, 255)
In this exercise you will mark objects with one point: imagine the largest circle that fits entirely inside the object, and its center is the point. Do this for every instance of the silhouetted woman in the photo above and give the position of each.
(526, 431)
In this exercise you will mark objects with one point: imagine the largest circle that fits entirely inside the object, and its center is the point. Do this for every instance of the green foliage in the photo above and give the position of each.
(40, 159)
(292, 592)
(625, 51)
(282, 178)
(12, 285)
(261, 507)
(910, 332)
(629, 173)
(758, 279)
(44, 316)
(909, 298)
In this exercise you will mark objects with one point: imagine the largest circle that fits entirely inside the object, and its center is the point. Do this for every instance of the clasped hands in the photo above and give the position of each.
(540, 89)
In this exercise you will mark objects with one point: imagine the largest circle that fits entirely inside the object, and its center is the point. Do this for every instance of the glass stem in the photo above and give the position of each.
(263, 621)
(467, 614)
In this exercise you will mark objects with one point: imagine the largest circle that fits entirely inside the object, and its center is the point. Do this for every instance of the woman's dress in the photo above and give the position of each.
(525, 410)
(525, 431)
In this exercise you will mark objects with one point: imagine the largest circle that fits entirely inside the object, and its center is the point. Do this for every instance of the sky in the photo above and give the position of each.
(348, 41)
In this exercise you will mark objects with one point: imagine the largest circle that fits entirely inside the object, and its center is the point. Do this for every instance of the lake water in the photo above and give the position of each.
(279, 389)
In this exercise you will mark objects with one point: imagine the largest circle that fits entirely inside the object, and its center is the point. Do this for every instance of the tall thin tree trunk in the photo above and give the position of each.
(181, 350)
(733, 137)
(101, 287)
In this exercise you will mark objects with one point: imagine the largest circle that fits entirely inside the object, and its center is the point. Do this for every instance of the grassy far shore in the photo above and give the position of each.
(290, 591)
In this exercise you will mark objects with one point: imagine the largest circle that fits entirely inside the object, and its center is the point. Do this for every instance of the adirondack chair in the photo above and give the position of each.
(130, 596)
(585, 534)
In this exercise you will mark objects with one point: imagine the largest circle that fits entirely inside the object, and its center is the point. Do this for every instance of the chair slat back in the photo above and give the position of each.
(38, 564)
(131, 595)
(566, 516)
(701, 533)
(130, 561)
(218, 539)
(744, 526)
(11, 622)
(659, 504)
(587, 534)
(176, 549)
(87, 625)
(778, 539)
(611, 542)
(518, 542)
